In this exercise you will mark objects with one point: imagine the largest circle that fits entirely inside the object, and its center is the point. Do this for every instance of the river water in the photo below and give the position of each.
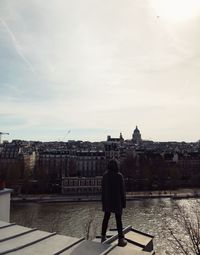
(149, 215)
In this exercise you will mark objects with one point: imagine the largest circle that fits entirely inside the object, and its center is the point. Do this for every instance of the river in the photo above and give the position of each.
(149, 215)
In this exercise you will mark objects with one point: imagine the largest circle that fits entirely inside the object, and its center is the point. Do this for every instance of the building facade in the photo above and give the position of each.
(17, 162)
(81, 185)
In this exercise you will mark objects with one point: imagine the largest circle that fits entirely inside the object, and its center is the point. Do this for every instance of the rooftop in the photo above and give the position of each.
(19, 240)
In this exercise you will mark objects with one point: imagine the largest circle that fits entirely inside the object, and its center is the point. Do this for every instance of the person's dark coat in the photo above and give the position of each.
(113, 192)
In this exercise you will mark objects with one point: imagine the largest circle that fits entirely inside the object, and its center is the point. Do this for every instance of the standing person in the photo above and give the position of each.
(113, 200)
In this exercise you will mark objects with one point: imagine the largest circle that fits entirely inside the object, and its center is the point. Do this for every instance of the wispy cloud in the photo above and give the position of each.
(16, 44)
(100, 65)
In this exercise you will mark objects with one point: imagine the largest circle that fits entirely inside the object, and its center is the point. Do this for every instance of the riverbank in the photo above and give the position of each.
(57, 198)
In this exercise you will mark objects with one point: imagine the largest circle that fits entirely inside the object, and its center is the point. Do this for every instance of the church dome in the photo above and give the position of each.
(136, 130)
(136, 137)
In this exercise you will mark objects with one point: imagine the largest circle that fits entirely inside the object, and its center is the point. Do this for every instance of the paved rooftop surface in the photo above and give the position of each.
(19, 240)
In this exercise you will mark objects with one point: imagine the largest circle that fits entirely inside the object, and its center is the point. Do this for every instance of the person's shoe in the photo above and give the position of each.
(103, 238)
(122, 242)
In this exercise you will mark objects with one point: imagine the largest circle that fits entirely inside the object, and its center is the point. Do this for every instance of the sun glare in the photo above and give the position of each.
(176, 10)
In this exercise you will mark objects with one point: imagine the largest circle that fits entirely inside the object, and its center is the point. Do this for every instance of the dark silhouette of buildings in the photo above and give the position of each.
(38, 167)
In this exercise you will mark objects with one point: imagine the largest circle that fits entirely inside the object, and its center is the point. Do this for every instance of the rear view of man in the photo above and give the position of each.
(113, 200)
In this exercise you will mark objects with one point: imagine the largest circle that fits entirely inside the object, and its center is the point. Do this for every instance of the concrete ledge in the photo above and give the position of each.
(5, 204)
(6, 226)
(5, 191)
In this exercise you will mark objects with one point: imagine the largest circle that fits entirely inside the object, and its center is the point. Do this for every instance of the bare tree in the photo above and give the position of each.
(185, 234)
(129, 166)
(55, 222)
(90, 227)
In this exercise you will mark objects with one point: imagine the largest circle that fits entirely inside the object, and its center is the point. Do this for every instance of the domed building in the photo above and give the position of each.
(136, 137)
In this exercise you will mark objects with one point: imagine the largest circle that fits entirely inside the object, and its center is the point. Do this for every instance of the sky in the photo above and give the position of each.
(85, 69)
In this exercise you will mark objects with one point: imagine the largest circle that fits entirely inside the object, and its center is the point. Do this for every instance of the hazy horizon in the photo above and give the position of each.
(99, 68)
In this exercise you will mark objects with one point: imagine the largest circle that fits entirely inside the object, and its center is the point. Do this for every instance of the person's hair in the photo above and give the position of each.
(113, 165)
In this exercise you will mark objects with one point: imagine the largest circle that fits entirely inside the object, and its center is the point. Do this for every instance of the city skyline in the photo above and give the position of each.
(109, 136)
(99, 68)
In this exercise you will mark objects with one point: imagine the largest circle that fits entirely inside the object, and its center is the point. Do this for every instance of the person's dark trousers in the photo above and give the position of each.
(118, 218)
